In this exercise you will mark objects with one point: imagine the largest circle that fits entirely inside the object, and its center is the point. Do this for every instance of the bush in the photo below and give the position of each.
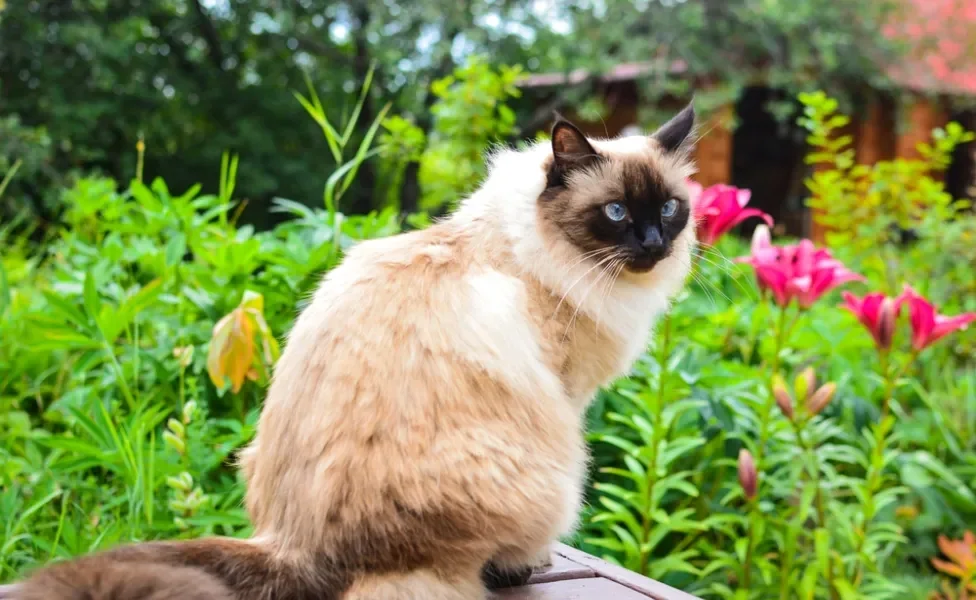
(766, 446)
(111, 431)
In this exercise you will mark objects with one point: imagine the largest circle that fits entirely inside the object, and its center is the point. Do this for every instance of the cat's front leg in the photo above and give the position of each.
(514, 568)
(497, 577)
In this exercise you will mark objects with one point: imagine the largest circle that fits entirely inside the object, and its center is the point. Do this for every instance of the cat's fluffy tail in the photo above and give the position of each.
(210, 568)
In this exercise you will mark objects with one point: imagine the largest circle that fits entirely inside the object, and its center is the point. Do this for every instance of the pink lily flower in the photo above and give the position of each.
(928, 326)
(798, 271)
(765, 261)
(721, 207)
(877, 312)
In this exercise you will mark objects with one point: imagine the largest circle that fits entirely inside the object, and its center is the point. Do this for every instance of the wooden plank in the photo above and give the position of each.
(573, 589)
(634, 581)
(562, 569)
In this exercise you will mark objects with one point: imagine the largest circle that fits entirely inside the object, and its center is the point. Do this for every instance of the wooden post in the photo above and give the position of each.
(876, 136)
(713, 154)
(924, 115)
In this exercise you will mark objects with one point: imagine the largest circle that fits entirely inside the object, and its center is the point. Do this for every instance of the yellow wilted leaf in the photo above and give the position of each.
(253, 301)
(234, 351)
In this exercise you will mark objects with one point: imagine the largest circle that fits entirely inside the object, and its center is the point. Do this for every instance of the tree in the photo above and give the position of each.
(716, 47)
(196, 78)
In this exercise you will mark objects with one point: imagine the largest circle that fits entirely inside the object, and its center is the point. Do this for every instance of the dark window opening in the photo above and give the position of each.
(767, 158)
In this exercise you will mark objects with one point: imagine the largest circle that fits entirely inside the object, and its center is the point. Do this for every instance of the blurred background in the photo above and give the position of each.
(81, 81)
(177, 175)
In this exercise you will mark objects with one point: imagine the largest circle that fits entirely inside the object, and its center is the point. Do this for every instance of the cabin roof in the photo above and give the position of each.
(941, 57)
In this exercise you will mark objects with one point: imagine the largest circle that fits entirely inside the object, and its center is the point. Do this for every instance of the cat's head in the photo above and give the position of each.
(622, 200)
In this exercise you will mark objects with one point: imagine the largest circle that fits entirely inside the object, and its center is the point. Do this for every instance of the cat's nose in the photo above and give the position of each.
(652, 238)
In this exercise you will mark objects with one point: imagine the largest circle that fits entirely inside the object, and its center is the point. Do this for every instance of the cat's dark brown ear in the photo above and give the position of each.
(570, 150)
(569, 146)
(675, 135)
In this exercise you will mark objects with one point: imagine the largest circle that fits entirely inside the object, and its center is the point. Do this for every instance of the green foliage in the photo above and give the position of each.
(469, 116)
(403, 144)
(849, 501)
(110, 428)
(869, 208)
(195, 79)
(867, 205)
(339, 182)
(25, 156)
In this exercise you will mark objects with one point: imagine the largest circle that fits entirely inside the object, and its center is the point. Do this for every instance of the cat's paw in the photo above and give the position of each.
(495, 577)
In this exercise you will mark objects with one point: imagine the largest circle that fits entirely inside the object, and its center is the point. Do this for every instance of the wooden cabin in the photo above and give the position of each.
(766, 156)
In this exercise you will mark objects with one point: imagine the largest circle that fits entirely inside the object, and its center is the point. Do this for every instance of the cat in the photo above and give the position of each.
(422, 436)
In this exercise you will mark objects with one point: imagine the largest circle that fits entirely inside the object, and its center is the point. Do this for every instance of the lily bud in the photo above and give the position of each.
(821, 398)
(804, 384)
(887, 315)
(748, 478)
(782, 395)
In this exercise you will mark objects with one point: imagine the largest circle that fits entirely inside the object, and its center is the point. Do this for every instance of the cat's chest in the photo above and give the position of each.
(590, 348)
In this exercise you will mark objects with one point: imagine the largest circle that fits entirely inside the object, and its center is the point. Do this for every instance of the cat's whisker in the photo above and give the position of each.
(605, 291)
(586, 292)
(705, 284)
(580, 278)
(727, 268)
(616, 269)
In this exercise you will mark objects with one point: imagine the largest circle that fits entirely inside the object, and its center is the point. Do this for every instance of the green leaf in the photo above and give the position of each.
(333, 181)
(5, 296)
(175, 249)
(66, 310)
(91, 297)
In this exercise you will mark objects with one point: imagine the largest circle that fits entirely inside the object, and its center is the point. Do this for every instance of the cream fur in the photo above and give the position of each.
(426, 414)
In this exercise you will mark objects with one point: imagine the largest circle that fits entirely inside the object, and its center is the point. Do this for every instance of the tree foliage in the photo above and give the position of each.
(196, 78)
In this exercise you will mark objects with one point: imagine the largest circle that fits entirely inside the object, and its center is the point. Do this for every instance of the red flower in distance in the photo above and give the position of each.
(798, 271)
(721, 207)
(877, 312)
(928, 326)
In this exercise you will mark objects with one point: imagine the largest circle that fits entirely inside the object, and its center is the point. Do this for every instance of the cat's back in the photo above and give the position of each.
(389, 290)
(415, 357)
(396, 304)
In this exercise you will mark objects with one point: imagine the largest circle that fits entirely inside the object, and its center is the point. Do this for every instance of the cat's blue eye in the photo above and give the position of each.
(615, 211)
(670, 207)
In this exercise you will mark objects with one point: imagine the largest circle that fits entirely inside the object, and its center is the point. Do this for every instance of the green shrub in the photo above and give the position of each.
(111, 431)
(850, 498)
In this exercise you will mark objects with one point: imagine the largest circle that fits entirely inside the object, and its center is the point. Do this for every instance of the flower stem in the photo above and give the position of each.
(767, 408)
(753, 334)
(764, 420)
(750, 545)
(662, 360)
(891, 381)
(818, 497)
(876, 464)
(872, 486)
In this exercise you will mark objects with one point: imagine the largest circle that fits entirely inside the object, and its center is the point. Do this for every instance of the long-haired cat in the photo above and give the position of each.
(422, 434)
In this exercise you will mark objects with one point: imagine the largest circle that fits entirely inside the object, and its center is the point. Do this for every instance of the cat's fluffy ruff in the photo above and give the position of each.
(426, 415)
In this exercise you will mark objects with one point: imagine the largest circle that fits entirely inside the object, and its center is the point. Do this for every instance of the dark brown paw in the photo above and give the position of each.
(496, 578)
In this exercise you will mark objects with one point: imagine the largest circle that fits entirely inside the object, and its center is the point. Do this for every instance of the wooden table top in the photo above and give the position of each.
(575, 575)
